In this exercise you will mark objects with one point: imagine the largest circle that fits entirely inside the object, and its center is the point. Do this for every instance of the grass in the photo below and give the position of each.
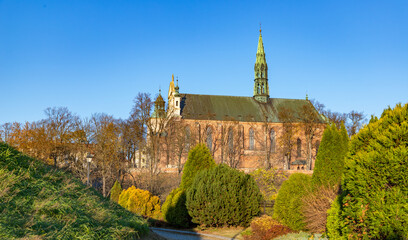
(38, 201)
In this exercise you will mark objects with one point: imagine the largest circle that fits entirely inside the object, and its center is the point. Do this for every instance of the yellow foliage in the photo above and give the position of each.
(140, 201)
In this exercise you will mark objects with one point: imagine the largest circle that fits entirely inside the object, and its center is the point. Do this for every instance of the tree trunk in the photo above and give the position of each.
(104, 185)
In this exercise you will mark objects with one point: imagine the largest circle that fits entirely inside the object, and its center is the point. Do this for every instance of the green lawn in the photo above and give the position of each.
(38, 201)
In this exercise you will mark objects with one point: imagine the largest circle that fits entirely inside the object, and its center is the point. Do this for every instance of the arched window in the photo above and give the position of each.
(299, 147)
(272, 137)
(230, 139)
(251, 139)
(209, 138)
(188, 137)
(259, 89)
(263, 88)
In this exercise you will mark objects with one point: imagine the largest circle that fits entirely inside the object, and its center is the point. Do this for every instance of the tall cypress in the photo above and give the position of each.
(330, 158)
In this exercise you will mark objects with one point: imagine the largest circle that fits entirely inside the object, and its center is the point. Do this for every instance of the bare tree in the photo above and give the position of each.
(5, 130)
(310, 122)
(357, 119)
(287, 139)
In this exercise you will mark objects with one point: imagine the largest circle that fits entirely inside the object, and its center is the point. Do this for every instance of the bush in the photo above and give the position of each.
(223, 196)
(269, 182)
(288, 205)
(315, 207)
(174, 209)
(374, 203)
(334, 221)
(115, 191)
(330, 158)
(199, 158)
(140, 201)
(265, 228)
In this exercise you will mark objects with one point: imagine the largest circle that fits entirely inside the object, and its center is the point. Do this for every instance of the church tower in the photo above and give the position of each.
(261, 88)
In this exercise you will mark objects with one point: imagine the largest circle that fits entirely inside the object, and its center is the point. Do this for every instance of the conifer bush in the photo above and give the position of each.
(115, 191)
(222, 196)
(330, 158)
(140, 201)
(288, 208)
(374, 203)
(199, 158)
(174, 209)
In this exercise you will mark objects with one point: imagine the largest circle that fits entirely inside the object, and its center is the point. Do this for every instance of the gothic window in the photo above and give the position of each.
(317, 146)
(188, 136)
(263, 88)
(259, 89)
(251, 139)
(230, 140)
(209, 138)
(273, 140)
(299, 147)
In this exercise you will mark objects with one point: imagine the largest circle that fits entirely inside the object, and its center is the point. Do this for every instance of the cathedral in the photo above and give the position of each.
(244, 132)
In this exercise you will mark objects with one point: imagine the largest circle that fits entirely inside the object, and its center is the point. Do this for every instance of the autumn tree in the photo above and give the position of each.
(106, 138)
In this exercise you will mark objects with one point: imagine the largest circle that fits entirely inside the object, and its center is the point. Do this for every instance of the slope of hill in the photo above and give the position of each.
(38, 201)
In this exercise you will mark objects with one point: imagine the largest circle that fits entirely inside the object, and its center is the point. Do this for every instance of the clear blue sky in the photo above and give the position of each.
(95, 56)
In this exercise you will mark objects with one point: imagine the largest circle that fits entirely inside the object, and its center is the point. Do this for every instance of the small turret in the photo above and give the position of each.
(159, 107)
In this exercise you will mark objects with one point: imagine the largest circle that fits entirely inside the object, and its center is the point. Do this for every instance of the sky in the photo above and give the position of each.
(96, 56)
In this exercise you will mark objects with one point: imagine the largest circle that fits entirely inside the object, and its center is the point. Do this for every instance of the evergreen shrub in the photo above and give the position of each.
(174, 209)
(288, 208)
(374, 202)
(115, 191)
(140, 201)
(265, 228)
(199, 158)
(223, 196)
(329, 163)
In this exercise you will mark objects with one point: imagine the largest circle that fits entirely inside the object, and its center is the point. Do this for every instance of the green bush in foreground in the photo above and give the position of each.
(374, 203)
(40, 202)
(289, 205)
(115, 191)
(174, 209)
(223, 196)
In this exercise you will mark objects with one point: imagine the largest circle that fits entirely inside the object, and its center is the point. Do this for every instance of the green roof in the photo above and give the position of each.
(247, 109)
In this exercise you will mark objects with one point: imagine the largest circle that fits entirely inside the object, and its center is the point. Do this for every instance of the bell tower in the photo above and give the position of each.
(261, 87)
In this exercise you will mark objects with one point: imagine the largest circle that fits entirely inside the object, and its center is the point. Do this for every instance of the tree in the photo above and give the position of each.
(330, 158)
(5, 130)
(357, 119)
(140, 201)
(374, 201)
(223, 196)
(107, 147)
(115, 192)
(287, 139)
(199, 158)
(288, 208)
(311, 123)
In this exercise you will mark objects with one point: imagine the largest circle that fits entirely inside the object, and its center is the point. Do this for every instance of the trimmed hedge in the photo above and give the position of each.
(374, 202)
(288, 205)
(174, 209)
(140, 201)
(223, 196)
(265, 227)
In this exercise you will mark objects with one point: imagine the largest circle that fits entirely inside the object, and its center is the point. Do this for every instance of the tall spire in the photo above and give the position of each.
(261, 88)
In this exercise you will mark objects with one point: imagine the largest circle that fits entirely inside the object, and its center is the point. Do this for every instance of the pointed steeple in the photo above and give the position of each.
(261, 88)
(159, 107)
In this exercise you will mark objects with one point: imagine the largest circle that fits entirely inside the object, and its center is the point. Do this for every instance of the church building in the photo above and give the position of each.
(244, 132)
